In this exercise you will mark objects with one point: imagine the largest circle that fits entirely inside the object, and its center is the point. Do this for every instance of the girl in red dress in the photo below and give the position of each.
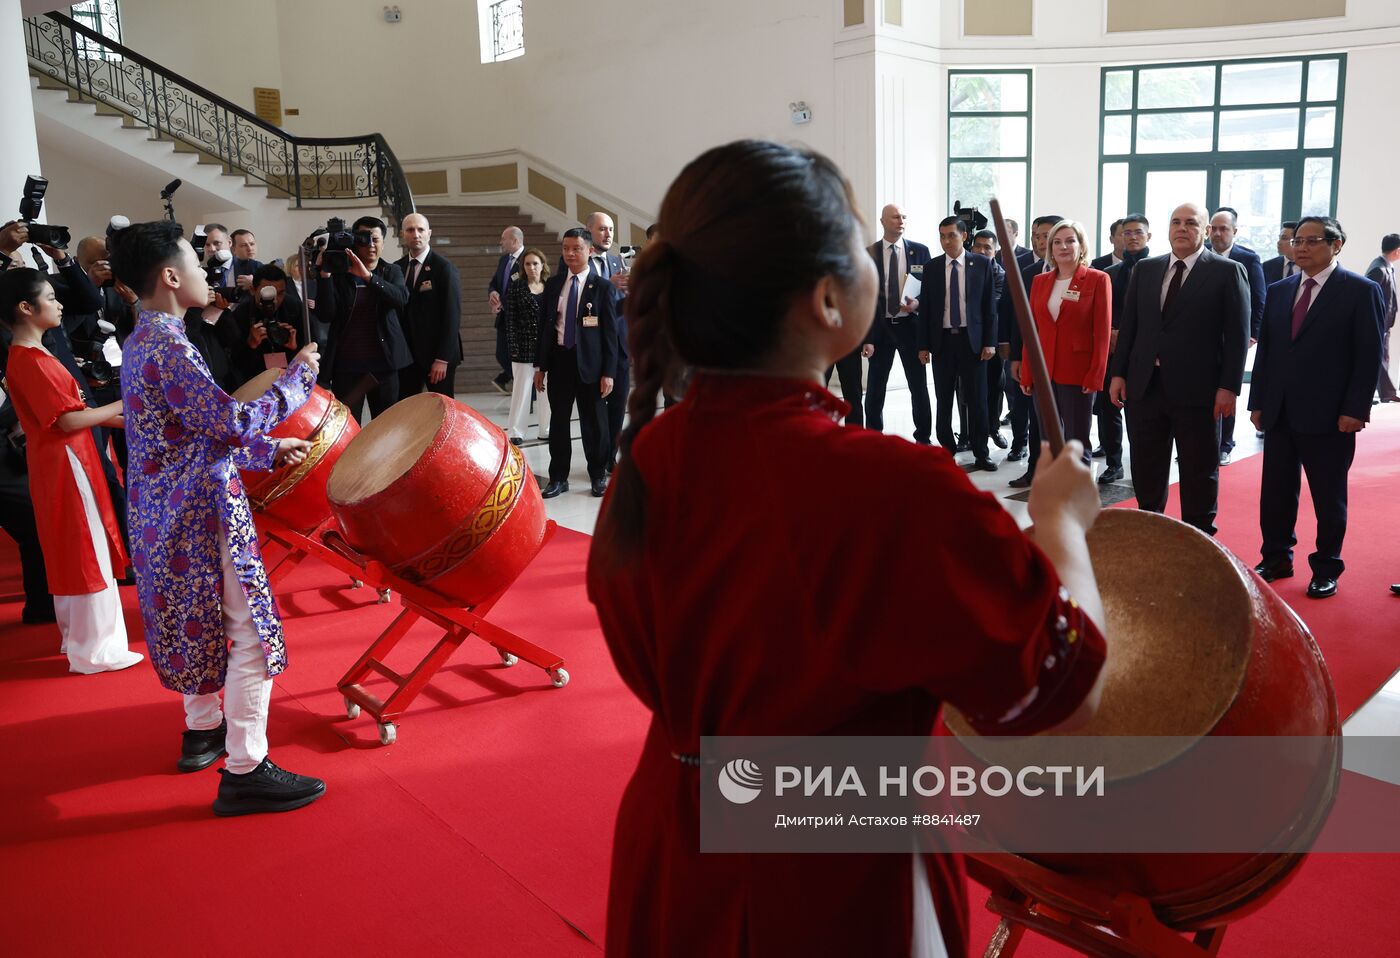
(760, 570)
(72, 507)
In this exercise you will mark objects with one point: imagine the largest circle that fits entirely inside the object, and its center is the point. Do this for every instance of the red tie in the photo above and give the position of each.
(1300, 308)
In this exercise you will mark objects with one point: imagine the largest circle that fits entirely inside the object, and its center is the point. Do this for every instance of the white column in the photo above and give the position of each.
(20, 155)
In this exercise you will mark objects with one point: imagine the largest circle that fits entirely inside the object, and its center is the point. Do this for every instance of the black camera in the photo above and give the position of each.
(198, 240)
(335, 242)
(266, 301)
(214, 275)
(31, 204)
(972, 218)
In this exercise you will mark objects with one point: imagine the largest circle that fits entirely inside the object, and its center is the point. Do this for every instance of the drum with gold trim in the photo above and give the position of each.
(296, 495)
(436, 492)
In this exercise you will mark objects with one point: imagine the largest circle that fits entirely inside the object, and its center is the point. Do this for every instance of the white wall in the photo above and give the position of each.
(20, 155)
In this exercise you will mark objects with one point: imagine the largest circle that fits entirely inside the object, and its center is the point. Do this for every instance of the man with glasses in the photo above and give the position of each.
(1314, 373)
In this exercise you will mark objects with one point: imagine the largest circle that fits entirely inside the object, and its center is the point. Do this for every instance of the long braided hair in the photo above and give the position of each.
(744, 229)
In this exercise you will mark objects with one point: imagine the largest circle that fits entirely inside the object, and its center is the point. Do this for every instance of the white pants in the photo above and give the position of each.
(524, 385)
(94, 632)
(247, 689)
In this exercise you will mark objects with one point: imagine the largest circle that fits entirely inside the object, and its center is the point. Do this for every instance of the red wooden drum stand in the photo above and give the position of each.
(457, 622)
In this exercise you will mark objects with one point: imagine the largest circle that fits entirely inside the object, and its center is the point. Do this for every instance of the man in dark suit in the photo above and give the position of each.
(432, 320)
(1023, 409)
(1382, 273)
(1281, 266)
(1314, 373)
(1136, 234)
(1224, 226)
(578, 353)
(985, 243)
(361, 306)
(1116, 256)
(958, 319)
(603, 262)
(512, 245)
(896, 325)
(1023, 256)
(1179, 364)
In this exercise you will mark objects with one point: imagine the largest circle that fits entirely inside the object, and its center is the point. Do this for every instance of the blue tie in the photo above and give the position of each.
(954, 304)
(504, 279)
(571, 315)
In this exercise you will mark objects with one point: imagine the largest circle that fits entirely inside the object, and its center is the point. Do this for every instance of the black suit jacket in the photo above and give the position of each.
(918, 254)
(1254, 272)
(1202, 339)
(1024, 257)
(1102, 263)
(1329, 370)
(336, 298)
(1029, 271)
(1378, 273)
(981, 319)
(1273, 270)
(432, 320)
(595, 345)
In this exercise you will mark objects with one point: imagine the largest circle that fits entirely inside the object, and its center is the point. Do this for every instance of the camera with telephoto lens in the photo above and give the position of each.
(31, 204)
(335, 242)
(972, 218)
(277, 335)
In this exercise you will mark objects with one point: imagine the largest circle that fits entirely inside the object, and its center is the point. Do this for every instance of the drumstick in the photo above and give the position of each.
(1040, 373)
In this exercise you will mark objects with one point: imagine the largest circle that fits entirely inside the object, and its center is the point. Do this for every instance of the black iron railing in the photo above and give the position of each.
(304, 168)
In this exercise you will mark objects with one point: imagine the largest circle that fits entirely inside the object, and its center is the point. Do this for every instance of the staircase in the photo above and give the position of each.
(470, 237)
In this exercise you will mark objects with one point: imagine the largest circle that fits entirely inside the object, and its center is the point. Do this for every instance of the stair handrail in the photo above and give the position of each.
(303, 167)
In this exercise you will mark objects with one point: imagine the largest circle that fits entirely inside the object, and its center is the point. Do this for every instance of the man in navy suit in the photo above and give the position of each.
(1182, 341)
(958, 318)
(1382, 273)
(896, 327)
(1023, 410)
(1314, 373)
(578, 353)
(1024, 256)
(512, 245)
(1281, 266)
(1224, 225)
(1136, 234)
(607, 264)
(1116, 256)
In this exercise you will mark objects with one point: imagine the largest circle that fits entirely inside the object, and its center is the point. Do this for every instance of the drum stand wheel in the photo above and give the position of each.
(352, 709)
(560, 677)
(357, 583)
(507, 658)
(388, 733)
(384, 596)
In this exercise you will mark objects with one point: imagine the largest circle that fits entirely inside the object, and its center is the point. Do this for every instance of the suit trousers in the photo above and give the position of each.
(995, 396)
(1227, 434)
(413, 379)
(904, 341)
(1076, 410)
(956, 366)
(383, 394)
(849, 369)
(616, 406)
(1019, 405)
(1154, 424)
(566, 390)
(1385, 383)
(1110, 419)
(17, 519)
(1326, 458)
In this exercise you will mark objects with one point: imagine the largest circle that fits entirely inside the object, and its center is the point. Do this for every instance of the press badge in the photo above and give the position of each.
(589, 322)
(1071, 295)
(917, 269)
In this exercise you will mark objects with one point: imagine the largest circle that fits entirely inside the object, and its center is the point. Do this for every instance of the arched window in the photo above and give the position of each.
(502, 25)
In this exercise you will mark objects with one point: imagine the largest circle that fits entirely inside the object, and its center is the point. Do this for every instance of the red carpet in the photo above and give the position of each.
(486, 830)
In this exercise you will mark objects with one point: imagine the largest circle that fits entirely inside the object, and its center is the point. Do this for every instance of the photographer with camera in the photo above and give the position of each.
(359, 296)
(267, 324)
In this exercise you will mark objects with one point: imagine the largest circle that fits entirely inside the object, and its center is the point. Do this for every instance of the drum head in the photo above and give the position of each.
(255, 387)
(386, 448)
(1180, 625)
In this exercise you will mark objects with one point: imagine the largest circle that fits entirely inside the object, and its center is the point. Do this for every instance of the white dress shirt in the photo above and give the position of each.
(962, 289)
(1190, 262)
(1319, 279)
(408, 276)
(901, 253)
(562, 307)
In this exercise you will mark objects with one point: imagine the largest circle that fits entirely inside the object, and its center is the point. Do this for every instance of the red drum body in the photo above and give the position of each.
(1199, 646)
(296, 495)
(440, 496)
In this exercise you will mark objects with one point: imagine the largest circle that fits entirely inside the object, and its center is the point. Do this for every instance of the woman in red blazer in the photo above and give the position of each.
(1072, 310)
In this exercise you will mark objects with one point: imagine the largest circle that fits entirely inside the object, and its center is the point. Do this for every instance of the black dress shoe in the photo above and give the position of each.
(986, 465)
(266, 788)
(1016, 454)
(1098, 453)
(1006, 420)
(1022, 483)
(1111, 475)
(516, 441)
(1322, 587)
(200, 748)
(961, 446)
(1269, 571)
(600, 486)
(555, 487)
(999, 440)
(1395, 589)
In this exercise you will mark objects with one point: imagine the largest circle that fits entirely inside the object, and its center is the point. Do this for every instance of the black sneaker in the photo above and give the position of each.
(266, 788)
(200, 748)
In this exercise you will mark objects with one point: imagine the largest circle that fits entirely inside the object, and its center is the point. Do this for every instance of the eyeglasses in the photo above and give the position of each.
(1132, 233)
(1309, 241)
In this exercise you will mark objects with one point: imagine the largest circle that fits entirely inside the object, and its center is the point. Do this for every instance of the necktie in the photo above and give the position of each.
(571, 315)
(504, 279)
(1180, 267)
(892, 290)
(1288, 270)
(1300, 308)
(601, 265)
(413, 274)
(954, 305)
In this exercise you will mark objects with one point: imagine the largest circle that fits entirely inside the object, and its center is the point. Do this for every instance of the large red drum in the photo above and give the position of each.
(296, 495)
(1199, 646)
(438, 494)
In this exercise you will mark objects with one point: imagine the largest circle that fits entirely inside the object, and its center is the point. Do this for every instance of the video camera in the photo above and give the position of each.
(335, 242)
(31, 204)
(972, 219)
(266, 302)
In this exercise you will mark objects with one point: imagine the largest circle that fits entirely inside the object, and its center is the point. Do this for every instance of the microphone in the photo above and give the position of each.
(170, 189)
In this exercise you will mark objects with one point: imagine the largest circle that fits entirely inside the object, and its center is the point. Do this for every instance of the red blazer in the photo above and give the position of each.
(1075, 345)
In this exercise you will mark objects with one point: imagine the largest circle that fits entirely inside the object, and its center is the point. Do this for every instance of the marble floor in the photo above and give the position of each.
(577, 509)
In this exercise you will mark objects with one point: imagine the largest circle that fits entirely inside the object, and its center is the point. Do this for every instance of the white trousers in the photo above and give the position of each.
(247, 689)
(94, 632)
(524, 384)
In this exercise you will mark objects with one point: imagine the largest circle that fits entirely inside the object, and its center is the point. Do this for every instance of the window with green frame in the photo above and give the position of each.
(104, 17)
(1262, 136)
(989, 140)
